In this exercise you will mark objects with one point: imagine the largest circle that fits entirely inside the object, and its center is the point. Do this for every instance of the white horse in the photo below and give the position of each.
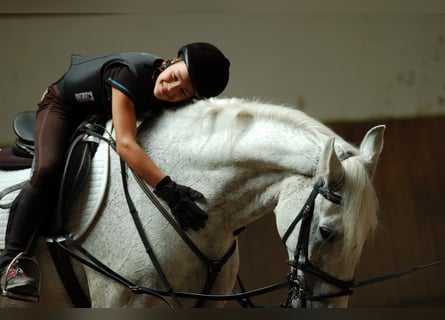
(249, 159)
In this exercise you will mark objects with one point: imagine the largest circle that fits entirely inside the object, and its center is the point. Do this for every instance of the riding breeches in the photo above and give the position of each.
(37, 201)
(55, 125)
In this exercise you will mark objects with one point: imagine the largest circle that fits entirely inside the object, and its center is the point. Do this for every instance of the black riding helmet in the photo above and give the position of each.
(208, 68)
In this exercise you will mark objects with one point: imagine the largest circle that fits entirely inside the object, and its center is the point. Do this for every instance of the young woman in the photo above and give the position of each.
(119, 86)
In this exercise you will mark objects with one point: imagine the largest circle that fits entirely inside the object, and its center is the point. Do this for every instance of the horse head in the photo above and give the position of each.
(250, 159)
(325, 240)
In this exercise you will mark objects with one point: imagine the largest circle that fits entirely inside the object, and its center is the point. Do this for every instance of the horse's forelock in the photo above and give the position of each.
(361, 205)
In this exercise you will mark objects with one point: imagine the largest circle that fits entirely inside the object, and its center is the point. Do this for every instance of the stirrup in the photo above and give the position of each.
(35, 274)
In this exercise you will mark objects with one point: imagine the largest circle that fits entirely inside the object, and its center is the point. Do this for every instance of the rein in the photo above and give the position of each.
(296, 282)
(213, 266)
(98, 266)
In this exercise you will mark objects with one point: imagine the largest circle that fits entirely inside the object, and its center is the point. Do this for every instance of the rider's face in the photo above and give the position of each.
(173, 84)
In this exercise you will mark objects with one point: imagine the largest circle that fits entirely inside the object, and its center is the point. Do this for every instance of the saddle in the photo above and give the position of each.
(78, 162)
(24, 124)
(81, 190)
(20, 155)
(77, 165)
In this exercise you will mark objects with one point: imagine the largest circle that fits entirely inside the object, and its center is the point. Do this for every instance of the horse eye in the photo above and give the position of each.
(327, 234)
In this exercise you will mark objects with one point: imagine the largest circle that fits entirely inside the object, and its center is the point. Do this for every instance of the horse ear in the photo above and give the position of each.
(330, 168)
(371, 147)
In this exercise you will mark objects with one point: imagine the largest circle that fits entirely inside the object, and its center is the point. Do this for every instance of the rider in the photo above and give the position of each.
(120, 86)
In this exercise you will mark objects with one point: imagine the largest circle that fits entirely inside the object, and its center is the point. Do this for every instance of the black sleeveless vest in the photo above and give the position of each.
(83, 84)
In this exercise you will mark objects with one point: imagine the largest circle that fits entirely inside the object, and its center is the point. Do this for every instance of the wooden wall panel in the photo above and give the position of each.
(410, 184)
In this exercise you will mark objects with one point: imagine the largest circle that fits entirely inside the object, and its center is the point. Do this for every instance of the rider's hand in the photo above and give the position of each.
(181, 201)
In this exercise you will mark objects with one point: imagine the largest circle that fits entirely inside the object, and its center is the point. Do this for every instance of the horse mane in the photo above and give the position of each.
(360, 216)
(229, 109)
(361, 201)
(358, 190)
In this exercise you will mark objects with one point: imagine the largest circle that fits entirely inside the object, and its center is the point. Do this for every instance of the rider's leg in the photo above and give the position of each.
(54, 127)
(21, 228)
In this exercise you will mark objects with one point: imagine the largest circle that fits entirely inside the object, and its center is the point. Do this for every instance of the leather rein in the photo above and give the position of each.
(301, 259)
(213, 266)
(294, 283)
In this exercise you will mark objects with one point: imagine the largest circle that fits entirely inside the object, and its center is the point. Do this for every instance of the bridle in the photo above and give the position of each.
(301, 260)
(295, 283)
(301, 255)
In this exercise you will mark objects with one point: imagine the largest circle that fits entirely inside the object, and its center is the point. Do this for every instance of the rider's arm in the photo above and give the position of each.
(124, 121)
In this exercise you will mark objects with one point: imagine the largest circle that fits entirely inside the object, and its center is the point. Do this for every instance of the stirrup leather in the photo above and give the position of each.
(35, 273)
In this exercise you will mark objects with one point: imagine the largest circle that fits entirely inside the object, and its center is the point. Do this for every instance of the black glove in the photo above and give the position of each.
(180, 199)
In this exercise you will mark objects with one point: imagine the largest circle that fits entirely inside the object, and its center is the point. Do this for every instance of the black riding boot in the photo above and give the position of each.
(25, 215)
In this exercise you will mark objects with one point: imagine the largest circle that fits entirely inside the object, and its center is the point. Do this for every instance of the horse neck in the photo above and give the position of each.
(233, 154)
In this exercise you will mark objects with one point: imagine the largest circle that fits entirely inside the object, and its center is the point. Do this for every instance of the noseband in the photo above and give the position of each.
(301, 259)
